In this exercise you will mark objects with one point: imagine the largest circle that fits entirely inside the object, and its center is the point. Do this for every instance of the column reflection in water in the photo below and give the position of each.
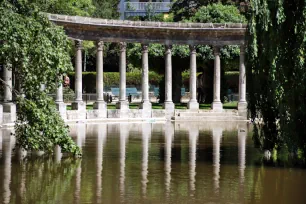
(101, 139)
(146, 136)
(124, 134)
(1, 143)
(8, 143)
(242, 134)
(80, 141)
(193, 139)
(169, 136)
(57, 154)
(217, 135)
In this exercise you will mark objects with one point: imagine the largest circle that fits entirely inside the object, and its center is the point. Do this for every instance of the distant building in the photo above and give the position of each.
(129, 8)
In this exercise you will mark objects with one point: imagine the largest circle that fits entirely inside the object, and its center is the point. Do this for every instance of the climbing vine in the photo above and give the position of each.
(37, 51)
(277, 73)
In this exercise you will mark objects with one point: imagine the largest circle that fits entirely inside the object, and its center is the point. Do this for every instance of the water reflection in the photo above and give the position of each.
(242, 135)
(204, 161)
(101, 140)
(124, 136)
(80, 134)
(57, 154)
(146, 135)
(8, 145)
(193, 138)
(216, 137)
(169, 136)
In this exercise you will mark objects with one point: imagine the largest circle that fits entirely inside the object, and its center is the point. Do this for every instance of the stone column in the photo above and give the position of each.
(100, 103)
(7, 76)
(242, 104)
(217, 105)
(8, 105)
(122, 104)
(1, 114)
(145, 104)
(168, 104)
(78, 103)
(59, 101)
(193, 104)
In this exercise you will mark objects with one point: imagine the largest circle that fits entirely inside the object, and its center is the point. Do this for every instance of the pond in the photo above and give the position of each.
(152, 163)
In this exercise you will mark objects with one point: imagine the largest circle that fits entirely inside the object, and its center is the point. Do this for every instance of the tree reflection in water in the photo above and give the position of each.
(168, 163)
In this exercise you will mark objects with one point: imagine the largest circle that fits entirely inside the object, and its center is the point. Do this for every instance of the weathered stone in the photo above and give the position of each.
(76, 115)
(217, 105)
(78, 72)
(242, 104)
(1, 114)
(122, 104)
(9, 112)
(193, 104)
(154, 32)
(96, 114)
(145, 104)
(61, 107)
(78, 105)
(168, 104)
(100, 104)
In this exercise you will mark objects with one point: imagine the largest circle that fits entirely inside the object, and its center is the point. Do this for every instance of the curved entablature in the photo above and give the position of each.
(85, 28)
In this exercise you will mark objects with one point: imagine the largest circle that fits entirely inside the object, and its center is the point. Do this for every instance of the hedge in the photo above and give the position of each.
(111, 79)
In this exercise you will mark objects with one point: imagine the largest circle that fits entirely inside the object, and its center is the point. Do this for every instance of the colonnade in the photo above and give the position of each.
(193, 104)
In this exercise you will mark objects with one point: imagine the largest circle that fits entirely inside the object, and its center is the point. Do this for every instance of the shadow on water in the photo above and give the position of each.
(151, 162)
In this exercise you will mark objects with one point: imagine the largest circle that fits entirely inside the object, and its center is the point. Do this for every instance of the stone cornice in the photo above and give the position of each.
(85, 28)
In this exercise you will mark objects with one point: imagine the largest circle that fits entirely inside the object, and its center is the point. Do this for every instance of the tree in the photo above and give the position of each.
(37, 51)
(277, 72)
(67, 7)
(185, 9)
(106, 9)
(218, 13)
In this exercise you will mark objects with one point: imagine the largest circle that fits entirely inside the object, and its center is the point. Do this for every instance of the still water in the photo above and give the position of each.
(151, 163)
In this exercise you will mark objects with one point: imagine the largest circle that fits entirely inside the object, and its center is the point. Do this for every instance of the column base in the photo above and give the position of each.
(9, 108)
(242, 106)
(122, 105)
(145, 105)
(217, 106)
(61, 107)
(193, 105)
(100, 105)
(169, 106)
(243, 109)
(78, 105)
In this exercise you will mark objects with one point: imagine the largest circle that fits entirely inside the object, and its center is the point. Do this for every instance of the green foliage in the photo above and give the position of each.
(112, 79)
(185, 9)
(277, 73)
(106, 9)
(218, 13)
(68, 7)
(40, 128)
(36, 50)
